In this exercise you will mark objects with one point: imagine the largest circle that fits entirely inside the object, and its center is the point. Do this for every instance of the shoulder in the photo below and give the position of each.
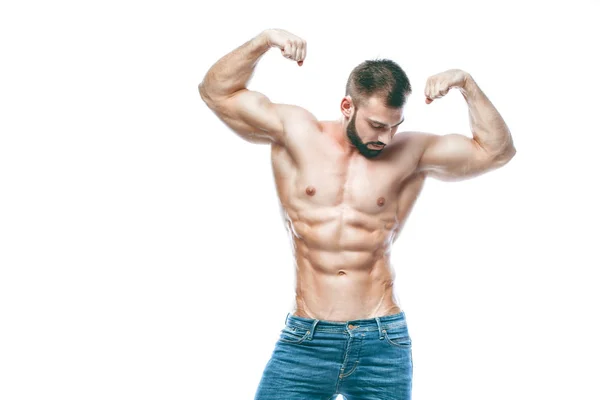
(298, 123)
(292, 113)
(416, 138)
(407, 148)
(412, 142)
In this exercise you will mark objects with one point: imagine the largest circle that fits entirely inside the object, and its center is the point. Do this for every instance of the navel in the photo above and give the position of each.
(310, 190)
(380, 201)
(341, 272)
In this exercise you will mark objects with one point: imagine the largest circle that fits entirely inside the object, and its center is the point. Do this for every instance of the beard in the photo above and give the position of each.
(357, 141)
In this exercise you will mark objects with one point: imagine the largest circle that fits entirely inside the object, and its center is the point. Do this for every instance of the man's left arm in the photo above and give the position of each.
(456, 157)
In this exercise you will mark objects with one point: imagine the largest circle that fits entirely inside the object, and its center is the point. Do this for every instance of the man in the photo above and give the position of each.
(346, 188)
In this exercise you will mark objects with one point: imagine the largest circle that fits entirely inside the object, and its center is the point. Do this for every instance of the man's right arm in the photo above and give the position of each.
(249, 113)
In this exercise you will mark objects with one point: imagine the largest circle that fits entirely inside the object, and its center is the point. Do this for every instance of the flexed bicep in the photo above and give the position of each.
(224, 88)
(454, 157)
(251, 115)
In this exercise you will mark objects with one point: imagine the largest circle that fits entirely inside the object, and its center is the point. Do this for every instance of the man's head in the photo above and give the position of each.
(373, 106)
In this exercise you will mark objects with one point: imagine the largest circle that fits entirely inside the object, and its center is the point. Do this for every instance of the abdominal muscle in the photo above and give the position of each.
(338, 284)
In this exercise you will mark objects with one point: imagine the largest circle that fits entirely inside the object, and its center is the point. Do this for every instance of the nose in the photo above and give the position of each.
(385, 137)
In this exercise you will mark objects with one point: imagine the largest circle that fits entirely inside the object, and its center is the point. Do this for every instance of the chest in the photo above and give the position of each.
(323, 178)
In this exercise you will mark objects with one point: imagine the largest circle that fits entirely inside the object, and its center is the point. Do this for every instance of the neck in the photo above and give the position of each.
(341, 136)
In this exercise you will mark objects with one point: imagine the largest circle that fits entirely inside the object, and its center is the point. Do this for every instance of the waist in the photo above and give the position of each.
(387, 322)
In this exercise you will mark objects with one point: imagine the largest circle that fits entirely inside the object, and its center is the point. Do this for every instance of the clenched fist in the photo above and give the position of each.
(291, 46)
(438, 85)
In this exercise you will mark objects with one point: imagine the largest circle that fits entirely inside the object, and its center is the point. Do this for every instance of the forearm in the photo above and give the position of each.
(487, 125)
(232, 72)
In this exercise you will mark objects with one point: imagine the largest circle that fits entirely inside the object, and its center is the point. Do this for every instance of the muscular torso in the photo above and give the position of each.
(343, 212)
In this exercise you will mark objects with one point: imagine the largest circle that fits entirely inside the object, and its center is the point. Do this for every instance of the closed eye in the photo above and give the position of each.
(379, 126)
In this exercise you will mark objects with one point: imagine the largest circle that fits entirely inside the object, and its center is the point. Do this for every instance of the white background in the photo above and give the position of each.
(142, 252)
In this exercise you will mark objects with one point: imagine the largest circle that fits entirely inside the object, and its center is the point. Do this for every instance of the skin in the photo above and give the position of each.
(343, 201)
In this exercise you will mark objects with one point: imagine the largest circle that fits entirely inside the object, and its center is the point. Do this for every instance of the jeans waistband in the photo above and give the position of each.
(387, 322)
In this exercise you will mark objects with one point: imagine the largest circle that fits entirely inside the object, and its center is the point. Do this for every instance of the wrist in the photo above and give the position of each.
(263, 40)
(467, 85)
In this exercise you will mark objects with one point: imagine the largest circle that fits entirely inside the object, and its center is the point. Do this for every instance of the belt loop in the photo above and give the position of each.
(312, 330)
(379, 327)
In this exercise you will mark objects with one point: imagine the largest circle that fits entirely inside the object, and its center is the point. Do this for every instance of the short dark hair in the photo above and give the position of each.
(381, 77)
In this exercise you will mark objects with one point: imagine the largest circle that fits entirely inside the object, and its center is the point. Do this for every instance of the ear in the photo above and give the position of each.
(346, 106)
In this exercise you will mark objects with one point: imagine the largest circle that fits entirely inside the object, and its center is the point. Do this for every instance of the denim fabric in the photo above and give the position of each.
(367, 359)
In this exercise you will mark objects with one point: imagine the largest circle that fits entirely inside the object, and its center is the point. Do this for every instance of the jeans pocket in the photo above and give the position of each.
(399, 339)
(293, 335)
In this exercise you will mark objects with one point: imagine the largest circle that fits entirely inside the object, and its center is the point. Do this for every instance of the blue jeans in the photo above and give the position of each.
(365, 359)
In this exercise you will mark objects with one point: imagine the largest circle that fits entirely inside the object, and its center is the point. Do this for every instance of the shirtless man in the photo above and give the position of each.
(346, 188)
